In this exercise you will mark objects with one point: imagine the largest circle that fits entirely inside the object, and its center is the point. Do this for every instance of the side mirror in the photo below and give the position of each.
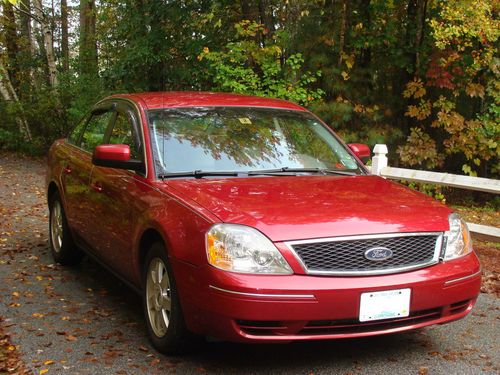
(116, 156)
(361, 150)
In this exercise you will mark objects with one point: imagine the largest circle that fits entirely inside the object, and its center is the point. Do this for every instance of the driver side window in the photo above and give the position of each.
(124, 133)
(94, 131)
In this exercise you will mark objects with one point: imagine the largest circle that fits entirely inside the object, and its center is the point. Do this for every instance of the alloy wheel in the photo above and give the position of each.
(56, 226)
(158, 297)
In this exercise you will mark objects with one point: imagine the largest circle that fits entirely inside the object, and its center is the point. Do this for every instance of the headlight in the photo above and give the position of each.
(458, 241)
(239, 248)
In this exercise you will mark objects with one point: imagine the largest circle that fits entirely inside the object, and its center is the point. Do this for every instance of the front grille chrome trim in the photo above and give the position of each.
(435, 259)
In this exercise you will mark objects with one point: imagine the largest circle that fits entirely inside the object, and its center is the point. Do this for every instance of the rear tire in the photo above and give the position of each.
(162, 310)
(62, 246)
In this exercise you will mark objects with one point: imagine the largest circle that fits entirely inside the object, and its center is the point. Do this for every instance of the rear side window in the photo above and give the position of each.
(95, 130)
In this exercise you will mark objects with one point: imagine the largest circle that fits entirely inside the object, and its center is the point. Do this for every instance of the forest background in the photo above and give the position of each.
(419, 75)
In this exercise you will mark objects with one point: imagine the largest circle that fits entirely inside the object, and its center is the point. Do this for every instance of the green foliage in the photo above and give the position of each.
(456, 102)
(433, 191)
(246, 67)
(421, 76)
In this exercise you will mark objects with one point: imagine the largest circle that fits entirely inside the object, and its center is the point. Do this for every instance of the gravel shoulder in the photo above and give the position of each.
(84, 321)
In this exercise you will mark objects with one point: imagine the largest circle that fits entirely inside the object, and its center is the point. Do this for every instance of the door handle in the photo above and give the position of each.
(97, 187)
(67, 169)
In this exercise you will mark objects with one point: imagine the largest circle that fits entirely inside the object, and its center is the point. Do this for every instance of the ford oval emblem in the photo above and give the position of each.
(378, 253)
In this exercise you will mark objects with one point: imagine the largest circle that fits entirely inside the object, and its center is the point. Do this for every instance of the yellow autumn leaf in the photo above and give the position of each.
(475, 89)
(11, 348)
(358, 108)
(419, 92)
(49, 362)
(43, 371)
(345, 75)
(412, 111)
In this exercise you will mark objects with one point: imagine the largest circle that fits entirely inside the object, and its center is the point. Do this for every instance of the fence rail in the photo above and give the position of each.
(380, 167)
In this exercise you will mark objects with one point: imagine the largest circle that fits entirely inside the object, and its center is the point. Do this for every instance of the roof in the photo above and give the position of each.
(157, 100)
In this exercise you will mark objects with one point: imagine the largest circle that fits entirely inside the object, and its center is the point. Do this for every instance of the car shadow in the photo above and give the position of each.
(223, 357)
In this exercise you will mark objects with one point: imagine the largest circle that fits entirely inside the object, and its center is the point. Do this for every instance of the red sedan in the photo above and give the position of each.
(247, 219)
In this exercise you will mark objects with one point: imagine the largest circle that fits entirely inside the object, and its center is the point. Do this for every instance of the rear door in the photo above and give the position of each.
(116, 194)
(77, 168)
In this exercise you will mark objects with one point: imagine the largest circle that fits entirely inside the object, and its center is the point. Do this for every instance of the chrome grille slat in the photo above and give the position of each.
(346, 255)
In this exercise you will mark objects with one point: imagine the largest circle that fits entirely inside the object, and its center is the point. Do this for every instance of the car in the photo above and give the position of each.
(247, 219)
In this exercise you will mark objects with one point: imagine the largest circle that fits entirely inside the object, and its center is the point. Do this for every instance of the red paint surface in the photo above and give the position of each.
(155, 100)
(110, 222)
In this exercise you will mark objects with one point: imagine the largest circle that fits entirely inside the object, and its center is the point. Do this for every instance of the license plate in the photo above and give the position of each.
(384, 305)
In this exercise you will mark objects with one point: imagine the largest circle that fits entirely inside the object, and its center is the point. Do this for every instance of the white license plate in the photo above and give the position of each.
(384, 305)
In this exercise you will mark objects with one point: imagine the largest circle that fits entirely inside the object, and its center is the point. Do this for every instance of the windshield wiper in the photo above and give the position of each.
(286, 171)
(196, 174)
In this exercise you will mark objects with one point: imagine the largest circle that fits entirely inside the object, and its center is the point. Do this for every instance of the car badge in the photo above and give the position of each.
(378, 253)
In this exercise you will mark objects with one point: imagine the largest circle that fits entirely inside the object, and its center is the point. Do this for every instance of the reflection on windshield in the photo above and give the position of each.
(242, 139)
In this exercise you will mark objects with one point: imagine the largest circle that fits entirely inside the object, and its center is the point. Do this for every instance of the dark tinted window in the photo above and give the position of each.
(94, 131)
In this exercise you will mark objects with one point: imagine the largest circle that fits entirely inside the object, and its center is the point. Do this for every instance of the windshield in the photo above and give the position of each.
(242, 139)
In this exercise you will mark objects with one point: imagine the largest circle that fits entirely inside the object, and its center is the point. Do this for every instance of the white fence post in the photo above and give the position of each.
(379, 161)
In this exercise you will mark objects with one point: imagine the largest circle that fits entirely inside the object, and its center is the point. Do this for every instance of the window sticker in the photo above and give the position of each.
(245, 120)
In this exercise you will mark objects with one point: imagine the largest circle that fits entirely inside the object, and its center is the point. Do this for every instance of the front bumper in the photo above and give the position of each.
(253, 308)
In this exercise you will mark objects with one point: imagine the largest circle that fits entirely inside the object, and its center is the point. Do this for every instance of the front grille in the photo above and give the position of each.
(346, 255)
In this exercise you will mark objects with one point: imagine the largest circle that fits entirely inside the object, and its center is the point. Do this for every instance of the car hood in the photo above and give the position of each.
(301, 207)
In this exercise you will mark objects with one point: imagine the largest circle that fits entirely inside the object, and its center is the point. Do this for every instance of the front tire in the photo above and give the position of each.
(164, 318)
(63, 249)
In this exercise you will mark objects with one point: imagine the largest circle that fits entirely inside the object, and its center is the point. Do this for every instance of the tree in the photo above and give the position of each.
(48, 42)
(64, 35)
(88, 42)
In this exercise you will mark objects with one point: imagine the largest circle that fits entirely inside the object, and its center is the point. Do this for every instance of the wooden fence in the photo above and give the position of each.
(380, 167)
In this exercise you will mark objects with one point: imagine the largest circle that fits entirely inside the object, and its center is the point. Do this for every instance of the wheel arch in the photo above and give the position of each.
(147, 239)
(51, 189)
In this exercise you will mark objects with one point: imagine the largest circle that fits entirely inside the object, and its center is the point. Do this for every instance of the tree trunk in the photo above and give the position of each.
(245, 10)
(9, 95)
(64, 35)
(420, 34)
(11, 42)
(27, 49)
(88, 42)
(47, 42)
(343, 29)
(415, 20)
(266, 17)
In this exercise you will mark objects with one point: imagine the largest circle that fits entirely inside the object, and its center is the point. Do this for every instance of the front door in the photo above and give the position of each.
(77, 167)
(116, 195)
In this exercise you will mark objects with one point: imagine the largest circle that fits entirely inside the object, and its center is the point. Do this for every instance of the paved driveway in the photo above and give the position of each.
(83, 321)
